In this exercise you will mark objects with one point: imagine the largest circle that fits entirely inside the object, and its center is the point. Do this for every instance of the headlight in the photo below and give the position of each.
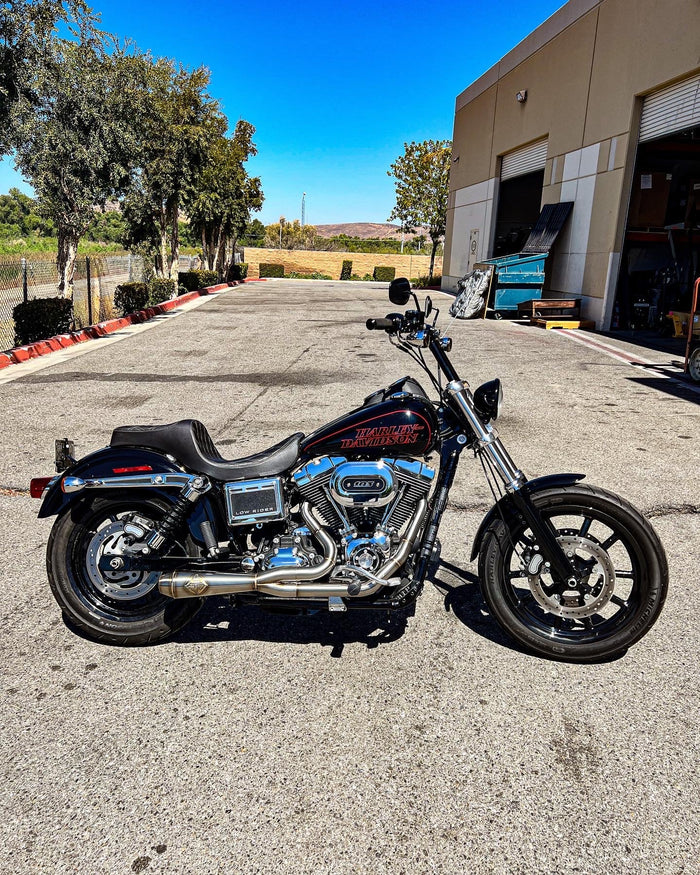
(488, 399)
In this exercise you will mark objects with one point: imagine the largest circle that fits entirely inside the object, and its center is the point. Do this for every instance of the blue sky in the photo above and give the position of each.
(333, 89)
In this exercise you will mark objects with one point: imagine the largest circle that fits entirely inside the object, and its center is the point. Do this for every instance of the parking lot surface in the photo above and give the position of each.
(348, 743)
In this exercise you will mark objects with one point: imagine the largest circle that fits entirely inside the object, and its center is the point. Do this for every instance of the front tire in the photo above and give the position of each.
(122, 609)
(618, 600)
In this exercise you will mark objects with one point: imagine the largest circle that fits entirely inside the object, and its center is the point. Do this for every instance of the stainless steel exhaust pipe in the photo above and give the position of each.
(188, 584)
(291, 581)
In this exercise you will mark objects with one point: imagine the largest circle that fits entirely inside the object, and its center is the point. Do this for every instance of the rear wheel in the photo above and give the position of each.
(624, 576)
(120, 607)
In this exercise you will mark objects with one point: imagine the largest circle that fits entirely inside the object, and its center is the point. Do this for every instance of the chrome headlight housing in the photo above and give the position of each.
(488, 399)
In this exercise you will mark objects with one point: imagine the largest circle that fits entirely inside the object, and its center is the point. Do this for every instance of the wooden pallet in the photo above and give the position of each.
(586, 324)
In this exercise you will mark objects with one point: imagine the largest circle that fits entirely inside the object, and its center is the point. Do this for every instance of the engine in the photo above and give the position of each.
(366, 503)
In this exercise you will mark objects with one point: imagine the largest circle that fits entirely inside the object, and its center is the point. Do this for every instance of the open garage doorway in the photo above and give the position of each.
(519, 205)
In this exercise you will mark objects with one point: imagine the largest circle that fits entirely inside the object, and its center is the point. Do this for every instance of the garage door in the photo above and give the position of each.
(525, 160)
(670, 110)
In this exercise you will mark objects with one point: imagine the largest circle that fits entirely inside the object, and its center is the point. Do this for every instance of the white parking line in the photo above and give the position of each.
(657, 368)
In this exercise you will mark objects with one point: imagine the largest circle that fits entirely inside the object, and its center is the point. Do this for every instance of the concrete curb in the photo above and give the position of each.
(102, 329)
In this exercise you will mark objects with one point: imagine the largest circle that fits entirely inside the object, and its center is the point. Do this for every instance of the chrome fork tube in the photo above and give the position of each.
(487, 436)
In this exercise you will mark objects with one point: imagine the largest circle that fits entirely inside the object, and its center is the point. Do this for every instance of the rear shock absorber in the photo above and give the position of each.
(164, 533)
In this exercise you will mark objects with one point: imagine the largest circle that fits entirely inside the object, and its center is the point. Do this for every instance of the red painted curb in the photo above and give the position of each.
(19, 354)
(5, 361)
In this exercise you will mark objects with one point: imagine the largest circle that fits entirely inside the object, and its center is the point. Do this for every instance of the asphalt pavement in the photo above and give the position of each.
(348, 743)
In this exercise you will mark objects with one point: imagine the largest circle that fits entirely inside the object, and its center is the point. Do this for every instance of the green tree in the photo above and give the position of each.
(106, 227)
(293, 236)
(19, 217)
(254, 234)
(179, 122)
(78, 146)
(223, 197)
(27, 42)
(422, 178)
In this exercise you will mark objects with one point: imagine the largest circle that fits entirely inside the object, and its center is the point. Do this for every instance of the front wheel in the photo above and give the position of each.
(621, 591)
(114, 607)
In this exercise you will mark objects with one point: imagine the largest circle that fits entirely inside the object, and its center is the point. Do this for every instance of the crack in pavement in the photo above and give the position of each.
(658, 510)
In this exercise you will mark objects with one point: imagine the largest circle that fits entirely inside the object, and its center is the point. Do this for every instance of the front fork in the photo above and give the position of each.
(514, 481)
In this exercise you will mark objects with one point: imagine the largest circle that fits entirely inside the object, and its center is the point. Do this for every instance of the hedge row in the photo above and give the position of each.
(272, 270)
(346, 270)
(384, 274)
(193, 280)
(41, 318)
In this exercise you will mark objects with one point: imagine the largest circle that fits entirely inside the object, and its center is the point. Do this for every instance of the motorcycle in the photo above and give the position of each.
(346, 518)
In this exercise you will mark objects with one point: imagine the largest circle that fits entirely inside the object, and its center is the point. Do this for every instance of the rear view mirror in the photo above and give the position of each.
(399, 291)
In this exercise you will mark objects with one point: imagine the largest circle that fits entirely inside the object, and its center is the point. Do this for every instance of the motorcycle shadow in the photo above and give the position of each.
(462, 597)
(218, 621)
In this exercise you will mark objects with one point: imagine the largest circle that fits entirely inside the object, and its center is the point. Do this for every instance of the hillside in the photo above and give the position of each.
(365, 231)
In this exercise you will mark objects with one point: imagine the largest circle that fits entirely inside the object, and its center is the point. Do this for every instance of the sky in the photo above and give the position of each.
(334, 89)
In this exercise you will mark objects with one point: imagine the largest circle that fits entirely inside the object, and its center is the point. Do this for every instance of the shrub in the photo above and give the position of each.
(384, 274)
(423, 282)
(42, 318)
(161, 289)
(311, 275)
(346, 270)
(193, 280)
(130, 297)
(237, 272)
(367, 278)
(272, 270)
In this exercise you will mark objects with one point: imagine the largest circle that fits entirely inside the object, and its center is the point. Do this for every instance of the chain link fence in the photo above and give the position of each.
(95, 281)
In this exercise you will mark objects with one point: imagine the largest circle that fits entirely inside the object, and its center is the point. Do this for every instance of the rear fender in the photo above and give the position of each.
(102, 464)
(506, 507)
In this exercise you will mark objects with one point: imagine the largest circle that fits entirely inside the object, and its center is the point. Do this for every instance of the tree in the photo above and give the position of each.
(78, 146)
(223, 197)
(27, 41)
(19, 217)
(180, 120)
(254, 234)
(422, 177)
(293, 236)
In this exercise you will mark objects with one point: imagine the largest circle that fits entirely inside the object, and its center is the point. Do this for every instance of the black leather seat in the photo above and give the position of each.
(190, 443)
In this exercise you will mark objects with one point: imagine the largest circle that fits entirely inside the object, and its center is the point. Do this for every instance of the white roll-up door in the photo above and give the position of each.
(525, 160)
(672, 109)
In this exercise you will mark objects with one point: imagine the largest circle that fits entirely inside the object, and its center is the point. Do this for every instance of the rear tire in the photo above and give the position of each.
(617, 604)
(694, 365)
(122, 610)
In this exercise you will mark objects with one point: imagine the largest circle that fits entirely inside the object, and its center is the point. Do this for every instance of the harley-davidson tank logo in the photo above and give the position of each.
(383, 436)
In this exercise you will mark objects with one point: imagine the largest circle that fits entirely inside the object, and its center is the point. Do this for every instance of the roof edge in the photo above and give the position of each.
(547, 31)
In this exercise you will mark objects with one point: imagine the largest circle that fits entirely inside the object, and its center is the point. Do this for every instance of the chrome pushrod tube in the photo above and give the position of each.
(290, 581)
(512, 476)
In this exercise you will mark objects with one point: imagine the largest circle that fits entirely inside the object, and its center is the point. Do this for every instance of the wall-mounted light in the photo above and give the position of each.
(521, 96)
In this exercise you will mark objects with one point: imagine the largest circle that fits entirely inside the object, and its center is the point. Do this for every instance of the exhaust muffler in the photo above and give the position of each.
(290, 581)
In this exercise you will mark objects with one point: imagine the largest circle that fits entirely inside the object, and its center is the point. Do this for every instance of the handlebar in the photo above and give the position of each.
(381, 325)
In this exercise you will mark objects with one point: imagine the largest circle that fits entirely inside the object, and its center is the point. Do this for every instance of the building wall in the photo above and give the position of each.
(586, 70)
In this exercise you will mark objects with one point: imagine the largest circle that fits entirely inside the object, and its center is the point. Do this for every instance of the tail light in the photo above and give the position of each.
(38, 485)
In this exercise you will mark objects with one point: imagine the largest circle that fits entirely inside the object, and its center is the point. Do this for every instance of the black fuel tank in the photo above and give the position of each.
(400, 426)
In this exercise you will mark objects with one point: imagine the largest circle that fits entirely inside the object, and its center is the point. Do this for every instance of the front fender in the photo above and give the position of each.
(505, 503)
(102, 464)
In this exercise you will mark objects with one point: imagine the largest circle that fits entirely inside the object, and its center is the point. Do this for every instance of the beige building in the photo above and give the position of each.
(599, 106)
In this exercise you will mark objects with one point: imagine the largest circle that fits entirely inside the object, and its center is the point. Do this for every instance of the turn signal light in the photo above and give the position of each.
(38, 485)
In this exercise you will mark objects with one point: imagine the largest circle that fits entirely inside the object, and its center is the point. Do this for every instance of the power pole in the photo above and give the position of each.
(303, 209)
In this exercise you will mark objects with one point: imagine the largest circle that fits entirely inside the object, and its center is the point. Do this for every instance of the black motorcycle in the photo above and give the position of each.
(346, 518)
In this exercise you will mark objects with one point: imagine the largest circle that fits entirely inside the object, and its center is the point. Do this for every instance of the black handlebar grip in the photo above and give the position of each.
(380, 324)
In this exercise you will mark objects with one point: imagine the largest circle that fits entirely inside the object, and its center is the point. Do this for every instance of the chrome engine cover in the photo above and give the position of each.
(363, 484)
